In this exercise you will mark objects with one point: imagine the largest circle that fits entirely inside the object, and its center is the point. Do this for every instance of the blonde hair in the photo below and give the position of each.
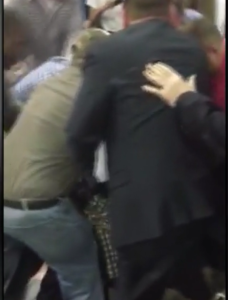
(79, 45)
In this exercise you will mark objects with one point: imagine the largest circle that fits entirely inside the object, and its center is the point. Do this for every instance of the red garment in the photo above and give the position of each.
(218, 84)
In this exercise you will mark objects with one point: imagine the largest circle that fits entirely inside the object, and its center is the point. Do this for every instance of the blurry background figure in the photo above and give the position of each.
(107, 14)
(52, 23)
(84, 10)
(191, 14)
(212, 42)
(220, 14)
(181, 14)
(224, 29)
(17, 46)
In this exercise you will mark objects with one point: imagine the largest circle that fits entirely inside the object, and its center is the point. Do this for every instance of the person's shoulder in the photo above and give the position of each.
(189, 44)
(109, 45)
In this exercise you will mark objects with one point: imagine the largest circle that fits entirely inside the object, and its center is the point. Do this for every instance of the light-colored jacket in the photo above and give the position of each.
(37, 164)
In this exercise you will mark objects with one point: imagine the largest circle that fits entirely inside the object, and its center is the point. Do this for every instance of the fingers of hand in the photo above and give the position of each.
(192, 81)
(165, 69)
(149, 67)
(157, 73)
(151, 90)
(154, 78)
(162, 70)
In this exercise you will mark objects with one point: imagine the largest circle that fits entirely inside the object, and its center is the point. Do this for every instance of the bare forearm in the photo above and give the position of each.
(95, 15)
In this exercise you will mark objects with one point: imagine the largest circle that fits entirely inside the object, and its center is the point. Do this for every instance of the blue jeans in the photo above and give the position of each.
(64, 240)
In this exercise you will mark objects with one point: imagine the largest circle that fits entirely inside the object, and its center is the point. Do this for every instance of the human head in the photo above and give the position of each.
(16, 38)
(140, 9)
(209, 38)
(83, 42)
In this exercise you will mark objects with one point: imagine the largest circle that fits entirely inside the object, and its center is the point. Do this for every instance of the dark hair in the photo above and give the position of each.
(202, 29)
(148, 7)
(17, 37)
(13, 21)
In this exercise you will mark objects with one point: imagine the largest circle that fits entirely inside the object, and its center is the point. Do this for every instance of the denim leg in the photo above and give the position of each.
(64, 239)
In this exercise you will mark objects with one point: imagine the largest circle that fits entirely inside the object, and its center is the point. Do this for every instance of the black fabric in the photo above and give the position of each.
(204, 125)
(49, 288)
(175, 261)
(29, 265)
(154, 175)
(202, 121)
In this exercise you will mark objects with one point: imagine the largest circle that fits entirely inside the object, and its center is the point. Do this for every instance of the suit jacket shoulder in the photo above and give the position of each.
(118, 51)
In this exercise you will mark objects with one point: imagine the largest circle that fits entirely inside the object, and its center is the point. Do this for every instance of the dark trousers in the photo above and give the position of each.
(175, 261)
(49, 288)
(28, 266)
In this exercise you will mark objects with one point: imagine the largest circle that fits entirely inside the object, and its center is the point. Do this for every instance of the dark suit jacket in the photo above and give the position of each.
(154, 175)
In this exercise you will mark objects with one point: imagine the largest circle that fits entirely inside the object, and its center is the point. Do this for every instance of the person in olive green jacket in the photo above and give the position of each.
(39, 176)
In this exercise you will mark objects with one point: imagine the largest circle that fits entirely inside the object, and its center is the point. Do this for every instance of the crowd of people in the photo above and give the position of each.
(114, 150)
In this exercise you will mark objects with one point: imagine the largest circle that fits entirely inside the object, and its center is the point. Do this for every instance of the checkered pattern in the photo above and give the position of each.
(22, 90)
(97, 214)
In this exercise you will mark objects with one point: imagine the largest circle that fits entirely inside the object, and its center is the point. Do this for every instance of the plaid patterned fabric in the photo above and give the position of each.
(97, 214)
(22, 90)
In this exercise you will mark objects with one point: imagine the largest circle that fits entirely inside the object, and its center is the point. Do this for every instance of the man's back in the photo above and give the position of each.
(36, 159)
(153, 184)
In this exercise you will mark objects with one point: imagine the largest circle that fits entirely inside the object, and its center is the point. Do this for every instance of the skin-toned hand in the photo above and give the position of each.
(167, 84)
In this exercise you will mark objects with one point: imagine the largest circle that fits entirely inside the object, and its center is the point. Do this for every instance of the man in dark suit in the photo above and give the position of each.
(159, 212)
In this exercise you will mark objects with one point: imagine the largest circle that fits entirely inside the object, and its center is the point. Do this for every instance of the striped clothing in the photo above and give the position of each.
(22, 90)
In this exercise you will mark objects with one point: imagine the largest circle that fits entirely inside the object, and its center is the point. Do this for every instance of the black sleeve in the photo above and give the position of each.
(201, 120)
(86, 126)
